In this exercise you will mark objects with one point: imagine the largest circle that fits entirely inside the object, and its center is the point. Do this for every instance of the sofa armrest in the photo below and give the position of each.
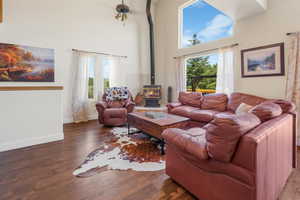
(101, 105)
(171, 106)
(267, 151)
(264, 137)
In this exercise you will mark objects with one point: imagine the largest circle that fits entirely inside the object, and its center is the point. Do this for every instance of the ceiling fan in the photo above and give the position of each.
(122, 11)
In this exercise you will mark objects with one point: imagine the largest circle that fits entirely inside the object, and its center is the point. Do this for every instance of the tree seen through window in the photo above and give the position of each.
(198, 68)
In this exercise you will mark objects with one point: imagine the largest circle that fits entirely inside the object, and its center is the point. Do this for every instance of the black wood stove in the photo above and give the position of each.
(152, 93)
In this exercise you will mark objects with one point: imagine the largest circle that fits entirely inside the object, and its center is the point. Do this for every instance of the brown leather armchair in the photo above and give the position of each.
(114, 112)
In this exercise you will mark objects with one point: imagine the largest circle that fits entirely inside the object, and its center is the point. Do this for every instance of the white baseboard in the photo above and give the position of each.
(30, 142)
(70, 120)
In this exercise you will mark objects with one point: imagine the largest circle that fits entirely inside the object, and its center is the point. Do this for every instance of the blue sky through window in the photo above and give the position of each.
(213, 59)
(206, 21)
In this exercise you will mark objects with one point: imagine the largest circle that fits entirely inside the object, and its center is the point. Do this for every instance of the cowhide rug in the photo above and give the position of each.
(123, 152)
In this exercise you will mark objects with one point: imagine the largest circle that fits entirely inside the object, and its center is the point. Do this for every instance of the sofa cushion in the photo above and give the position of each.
(224, 132)
(183, 110)
(203, 115)
(192, 141)
(286, 106)
(216, 102)
(171, 106)
(190, 98)
(115, 113)
(214, 166)
(236, 99)
(266, 111)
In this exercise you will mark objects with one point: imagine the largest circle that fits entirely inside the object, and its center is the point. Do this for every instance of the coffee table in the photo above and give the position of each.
(154, 123)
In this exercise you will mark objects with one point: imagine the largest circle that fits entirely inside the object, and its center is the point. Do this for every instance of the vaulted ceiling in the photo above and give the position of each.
(238, 9)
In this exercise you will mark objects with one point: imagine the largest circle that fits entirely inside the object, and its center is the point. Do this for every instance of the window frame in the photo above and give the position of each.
(180, 26)
(97, 89)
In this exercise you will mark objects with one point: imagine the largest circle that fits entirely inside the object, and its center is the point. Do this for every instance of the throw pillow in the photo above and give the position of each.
(286, 106)
(266, 111)
(243, 108)
(117, 94)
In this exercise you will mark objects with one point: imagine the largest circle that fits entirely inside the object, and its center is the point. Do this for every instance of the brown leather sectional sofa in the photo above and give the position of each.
(228, 156)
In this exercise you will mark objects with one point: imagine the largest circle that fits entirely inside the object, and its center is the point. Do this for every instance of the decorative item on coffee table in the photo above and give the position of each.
(155, 115)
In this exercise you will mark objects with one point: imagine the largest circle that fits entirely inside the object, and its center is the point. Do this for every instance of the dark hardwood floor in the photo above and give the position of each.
(45, 172)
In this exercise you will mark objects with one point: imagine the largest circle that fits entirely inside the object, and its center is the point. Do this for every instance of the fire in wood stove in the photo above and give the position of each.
(152, 95)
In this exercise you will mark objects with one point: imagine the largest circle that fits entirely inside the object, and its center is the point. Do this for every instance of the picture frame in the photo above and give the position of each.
(20, 63)
(263, 61)
(1, 11)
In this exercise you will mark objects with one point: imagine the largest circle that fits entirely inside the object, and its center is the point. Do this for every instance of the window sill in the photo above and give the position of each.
(208, 46)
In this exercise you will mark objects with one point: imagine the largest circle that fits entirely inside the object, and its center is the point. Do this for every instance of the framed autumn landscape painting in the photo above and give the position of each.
(26, 64)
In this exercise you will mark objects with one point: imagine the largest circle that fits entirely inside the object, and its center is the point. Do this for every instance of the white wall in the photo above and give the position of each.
(263, 3)
(88, 25)
(29, 118)
(266, 28)
(34, 117)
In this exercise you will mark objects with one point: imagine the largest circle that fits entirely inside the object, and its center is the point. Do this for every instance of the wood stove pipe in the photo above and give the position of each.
(151, 32)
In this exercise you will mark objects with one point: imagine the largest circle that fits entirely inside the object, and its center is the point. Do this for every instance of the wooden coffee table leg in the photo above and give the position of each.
(128, 128)
(162, 147)
(132, 133)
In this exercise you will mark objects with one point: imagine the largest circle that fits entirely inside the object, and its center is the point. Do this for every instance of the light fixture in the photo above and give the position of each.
(122, 11)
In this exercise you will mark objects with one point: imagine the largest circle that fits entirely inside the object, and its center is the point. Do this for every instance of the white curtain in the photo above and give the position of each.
(293, 77)
(180, 74)
(99, 77)
(225, 73)
(82, 107)
(80, 88)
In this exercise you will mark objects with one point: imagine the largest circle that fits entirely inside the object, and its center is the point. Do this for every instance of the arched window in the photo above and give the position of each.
(201, 23)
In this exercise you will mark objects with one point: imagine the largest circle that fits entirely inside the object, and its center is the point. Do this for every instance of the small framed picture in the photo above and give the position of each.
(263, 61)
